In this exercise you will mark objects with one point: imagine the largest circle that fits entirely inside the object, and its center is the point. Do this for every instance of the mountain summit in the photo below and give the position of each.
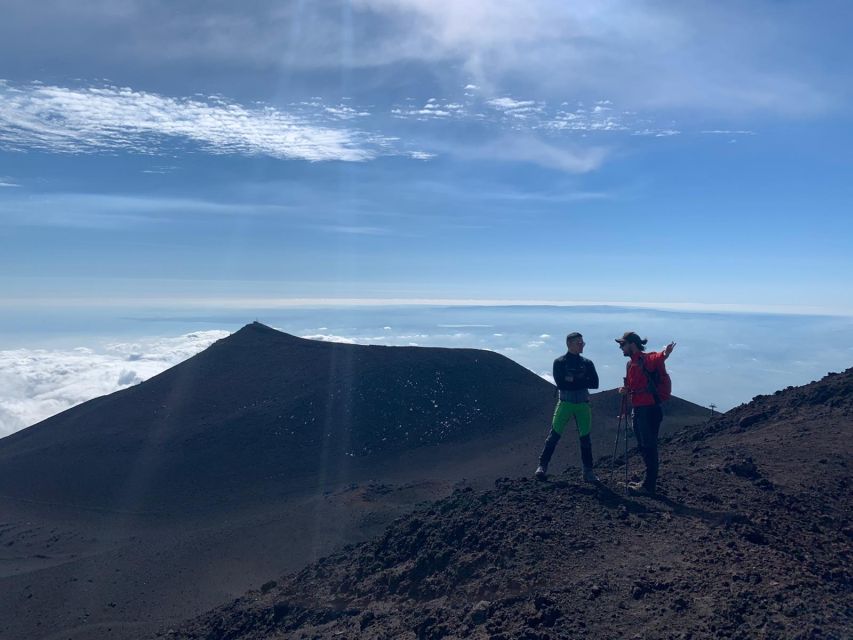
(264, 404)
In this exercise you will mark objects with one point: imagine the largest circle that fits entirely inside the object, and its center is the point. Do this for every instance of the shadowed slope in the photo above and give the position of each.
(254, 458)
(262, 404)
(751, 538)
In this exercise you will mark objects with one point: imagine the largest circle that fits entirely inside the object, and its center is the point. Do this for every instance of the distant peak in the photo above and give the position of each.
(259, 326)
(258, 329)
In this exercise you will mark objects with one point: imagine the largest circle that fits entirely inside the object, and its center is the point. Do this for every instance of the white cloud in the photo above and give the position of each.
(725, 132)
(510, 104)
(37, 383)
(326, 337)
(581, 119)
(657, 133)
(95, 119)
(432, 109)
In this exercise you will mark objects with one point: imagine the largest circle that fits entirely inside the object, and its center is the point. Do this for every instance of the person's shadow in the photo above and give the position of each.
(614, 500)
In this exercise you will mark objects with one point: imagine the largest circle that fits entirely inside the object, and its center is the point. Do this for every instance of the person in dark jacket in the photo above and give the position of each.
(645, 402)
(574, 376)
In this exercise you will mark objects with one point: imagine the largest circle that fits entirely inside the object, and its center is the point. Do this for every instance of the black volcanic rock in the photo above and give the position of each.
(830, 397)
(262, 404)
(252, 459)
(749, 539)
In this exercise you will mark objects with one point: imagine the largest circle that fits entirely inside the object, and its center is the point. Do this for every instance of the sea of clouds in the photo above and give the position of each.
(720, 358)
(38, 383)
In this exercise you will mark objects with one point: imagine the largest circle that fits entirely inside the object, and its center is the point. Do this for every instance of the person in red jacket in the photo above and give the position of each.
(641, 370)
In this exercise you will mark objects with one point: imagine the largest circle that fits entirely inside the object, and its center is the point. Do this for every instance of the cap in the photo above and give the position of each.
(630, 336)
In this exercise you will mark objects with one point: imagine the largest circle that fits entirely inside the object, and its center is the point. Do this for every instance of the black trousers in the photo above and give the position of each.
(551, 444)
(646, 427)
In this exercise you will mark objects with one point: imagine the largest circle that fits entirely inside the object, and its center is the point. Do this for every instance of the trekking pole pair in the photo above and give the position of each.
(621, 429)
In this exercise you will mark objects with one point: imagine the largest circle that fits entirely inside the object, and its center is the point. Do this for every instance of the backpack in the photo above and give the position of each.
(660, 384)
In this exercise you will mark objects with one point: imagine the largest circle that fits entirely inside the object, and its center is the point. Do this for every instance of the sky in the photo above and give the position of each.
(208, 156)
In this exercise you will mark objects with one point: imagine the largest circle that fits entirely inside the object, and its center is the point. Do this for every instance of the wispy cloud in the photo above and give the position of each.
(507, 113)
(160, 170)
(725, 132)
(545, 154)
(355, 230)
(344, 112)
(421, 155)
(641, 52)
(92, 119)
(96, 211)
(109, 119)
(657, 133)
(647, 54)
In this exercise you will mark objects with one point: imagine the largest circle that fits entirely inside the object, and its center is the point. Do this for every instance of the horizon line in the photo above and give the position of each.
(322, 302)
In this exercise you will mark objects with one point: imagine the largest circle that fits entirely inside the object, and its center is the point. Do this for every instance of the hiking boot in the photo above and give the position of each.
(640, 488)
(589, 475)
(540, 472)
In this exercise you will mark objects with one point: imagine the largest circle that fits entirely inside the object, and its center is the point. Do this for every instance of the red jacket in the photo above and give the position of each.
(636, 379)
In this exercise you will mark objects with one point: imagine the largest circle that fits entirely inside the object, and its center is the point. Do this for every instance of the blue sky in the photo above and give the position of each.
(618, 151)
(213, 163)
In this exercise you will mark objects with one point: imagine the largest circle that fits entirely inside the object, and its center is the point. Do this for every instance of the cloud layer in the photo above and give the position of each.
(36, 384)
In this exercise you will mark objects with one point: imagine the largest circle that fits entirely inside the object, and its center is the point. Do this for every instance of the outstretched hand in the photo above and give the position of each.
(668, 349)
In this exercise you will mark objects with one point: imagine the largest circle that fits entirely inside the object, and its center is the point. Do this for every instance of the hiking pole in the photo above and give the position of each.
(615, 447)
(627, 419)
(619, 428)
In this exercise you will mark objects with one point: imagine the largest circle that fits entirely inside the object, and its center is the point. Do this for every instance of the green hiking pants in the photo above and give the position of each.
(566, 410)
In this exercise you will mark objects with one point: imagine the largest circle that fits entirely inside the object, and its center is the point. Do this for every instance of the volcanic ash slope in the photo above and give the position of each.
(751, 538)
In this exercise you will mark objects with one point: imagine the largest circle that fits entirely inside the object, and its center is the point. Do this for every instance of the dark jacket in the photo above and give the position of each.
(574, 375)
